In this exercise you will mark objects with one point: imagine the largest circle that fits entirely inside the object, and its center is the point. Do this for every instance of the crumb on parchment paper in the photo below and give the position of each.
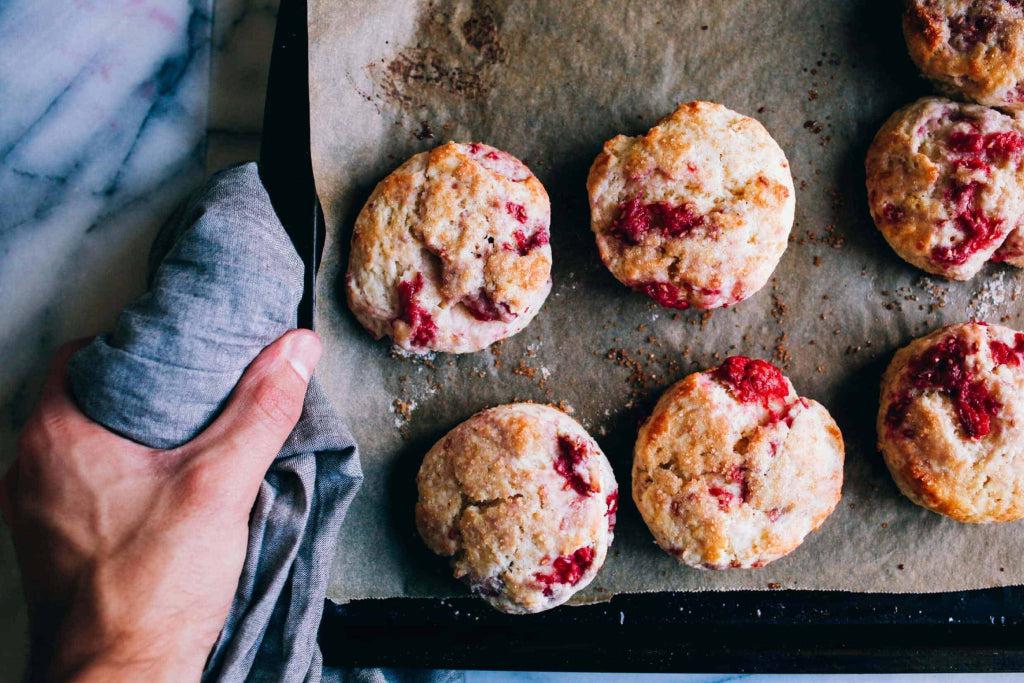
(403, 411)
(987, 300)
(780, 352)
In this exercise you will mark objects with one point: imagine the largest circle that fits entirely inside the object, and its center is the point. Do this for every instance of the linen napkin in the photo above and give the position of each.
(225, 282)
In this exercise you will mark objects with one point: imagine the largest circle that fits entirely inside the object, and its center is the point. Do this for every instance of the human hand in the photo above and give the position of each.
(130, 556)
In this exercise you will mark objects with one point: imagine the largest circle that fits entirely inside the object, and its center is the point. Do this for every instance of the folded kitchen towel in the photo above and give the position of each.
(225, 282)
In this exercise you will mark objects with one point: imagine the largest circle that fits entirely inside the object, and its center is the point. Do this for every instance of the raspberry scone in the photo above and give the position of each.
(733, 469)
(946, 186)
(970, 47)
(697, 212)
(951, 422)
(450, 252)
(523, 501)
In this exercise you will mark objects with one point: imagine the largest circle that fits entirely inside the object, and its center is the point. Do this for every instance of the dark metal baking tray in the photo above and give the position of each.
(797, 631)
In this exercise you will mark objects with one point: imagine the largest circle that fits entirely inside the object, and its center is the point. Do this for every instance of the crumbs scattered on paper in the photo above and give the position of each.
(937, 291)
(414, 393)
(403, 411)
(993, 293)
(420, 359)
(464, 51)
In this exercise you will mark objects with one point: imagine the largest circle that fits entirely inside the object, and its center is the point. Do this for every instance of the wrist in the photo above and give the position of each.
(113, 668)
(83, 661)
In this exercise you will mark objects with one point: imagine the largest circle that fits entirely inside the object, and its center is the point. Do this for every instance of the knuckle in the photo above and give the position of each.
(274, 405)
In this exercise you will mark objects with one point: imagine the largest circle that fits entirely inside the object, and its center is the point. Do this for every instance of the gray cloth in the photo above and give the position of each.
(226, 283)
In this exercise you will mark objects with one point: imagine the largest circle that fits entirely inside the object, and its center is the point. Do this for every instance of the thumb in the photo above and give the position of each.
(264, 407)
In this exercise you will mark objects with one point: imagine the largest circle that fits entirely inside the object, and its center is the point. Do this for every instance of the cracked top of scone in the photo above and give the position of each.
(946, 186)
(733, 469)
(970, 47)
(450, 252)
(523, 501)
(951, 422)
(697, 212)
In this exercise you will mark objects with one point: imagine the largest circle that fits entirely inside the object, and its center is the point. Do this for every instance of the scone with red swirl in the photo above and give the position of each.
(945, 186)
(951, 422)
(523, 501)
(697, 212)
(450, 252)
(973, 48)
(733, 469)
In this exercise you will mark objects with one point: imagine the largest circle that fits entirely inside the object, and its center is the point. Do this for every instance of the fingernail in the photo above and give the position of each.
(303, 351)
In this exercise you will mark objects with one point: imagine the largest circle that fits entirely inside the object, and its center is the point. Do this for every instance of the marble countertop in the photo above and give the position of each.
(114, 110)
(102, 133)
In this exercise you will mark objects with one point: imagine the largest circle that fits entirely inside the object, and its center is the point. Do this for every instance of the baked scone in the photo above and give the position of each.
(973, 48)
(733, 469)
(951, 422)
(450, 252)
(523, 501)
(946, 186)
(697, 212)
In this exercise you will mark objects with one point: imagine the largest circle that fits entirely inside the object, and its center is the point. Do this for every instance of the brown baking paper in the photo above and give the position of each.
(549, 82)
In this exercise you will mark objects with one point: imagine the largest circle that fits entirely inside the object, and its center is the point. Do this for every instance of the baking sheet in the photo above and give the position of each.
(549, 82)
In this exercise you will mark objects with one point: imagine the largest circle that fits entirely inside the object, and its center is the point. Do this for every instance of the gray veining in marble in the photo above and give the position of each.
(102, 132)
(243, 33)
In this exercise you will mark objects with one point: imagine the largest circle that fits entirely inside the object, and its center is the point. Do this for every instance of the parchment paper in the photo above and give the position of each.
(549, 82)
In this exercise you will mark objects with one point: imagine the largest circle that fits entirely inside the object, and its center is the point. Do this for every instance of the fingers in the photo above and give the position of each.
(264, 407)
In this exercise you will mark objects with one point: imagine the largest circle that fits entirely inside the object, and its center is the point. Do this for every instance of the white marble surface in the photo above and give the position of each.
(102, 131)
(242, 37)
(111, 111)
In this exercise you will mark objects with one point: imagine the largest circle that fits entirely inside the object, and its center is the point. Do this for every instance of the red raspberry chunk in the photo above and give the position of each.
(738, 475)
(1003, 144)
(413, 314)
(483, 307)
(976, 150)
(943, 368)
(636, 219)
(1004, 354)
(524, 244)
(979, 230)
(970, 28)
(752, 379)
(665, 294)
(892, 213)
(517, 211)
(723, 495)
(612, 503)
(975, 406)
(567, 569)
(571, 455)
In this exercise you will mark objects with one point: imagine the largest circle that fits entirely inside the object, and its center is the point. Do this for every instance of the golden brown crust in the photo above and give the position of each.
(948, 446)
(945, 185)
(473, 223)
(493, 499)
(722, 482)
(712, 201)
(974, 48)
